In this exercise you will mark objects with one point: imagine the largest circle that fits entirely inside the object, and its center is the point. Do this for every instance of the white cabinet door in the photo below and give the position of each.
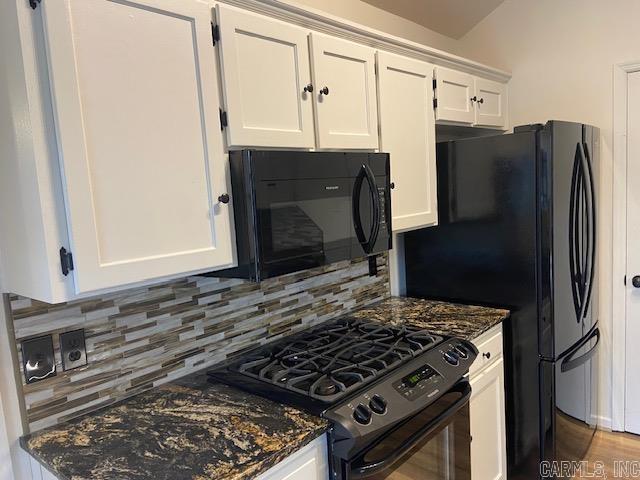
(486, 410)
(345, 93)
(454, 93)
(265, 67)
(311, 462)
(134, 86)
(491, 99)
(408, 135)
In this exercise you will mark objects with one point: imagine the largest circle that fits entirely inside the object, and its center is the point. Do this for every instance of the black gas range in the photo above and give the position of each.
(389, 391)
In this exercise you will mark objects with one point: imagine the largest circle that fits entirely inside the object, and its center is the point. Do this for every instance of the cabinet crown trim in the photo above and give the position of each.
(329, 24)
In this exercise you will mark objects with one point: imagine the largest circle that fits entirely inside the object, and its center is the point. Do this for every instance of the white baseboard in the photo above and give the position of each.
(604, 423)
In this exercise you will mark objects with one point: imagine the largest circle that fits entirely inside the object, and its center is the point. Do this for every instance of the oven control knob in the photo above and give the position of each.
(451, 358)
(461, 351)
(362, 414)
(378, 404)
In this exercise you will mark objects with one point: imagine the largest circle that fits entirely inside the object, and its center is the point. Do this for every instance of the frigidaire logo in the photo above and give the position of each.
(332, 187)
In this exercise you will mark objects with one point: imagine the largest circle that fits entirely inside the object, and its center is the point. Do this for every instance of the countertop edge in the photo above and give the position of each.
(266, 464)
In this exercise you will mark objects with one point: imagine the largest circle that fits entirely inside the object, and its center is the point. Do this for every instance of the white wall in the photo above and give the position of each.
(373, 17)
(561, 55)
(6, 468)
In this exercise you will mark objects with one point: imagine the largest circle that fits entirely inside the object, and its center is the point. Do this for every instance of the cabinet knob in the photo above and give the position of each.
(308, 88)
(487, 355)
(481, 100)
(324, 91)
(635, 281)
(392, 186)
(474, 99)
(224, 198)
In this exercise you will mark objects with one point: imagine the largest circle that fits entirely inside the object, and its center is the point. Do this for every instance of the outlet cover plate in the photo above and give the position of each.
(38, 359)
(73, 349)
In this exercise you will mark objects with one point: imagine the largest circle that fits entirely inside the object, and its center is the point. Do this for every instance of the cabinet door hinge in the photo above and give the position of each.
(66, 261)
(215, 33)
(434, 82)
(34, 3)
(223, 119)
(435, 103)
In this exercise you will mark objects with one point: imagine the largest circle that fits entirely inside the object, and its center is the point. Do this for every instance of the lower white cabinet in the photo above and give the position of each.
(308, 463)
(38, 472)
(487, 415)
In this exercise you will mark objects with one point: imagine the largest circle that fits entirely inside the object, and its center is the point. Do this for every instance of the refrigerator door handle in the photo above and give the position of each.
(592, 234)
(582, 231)
(569, 362)
(574, 261)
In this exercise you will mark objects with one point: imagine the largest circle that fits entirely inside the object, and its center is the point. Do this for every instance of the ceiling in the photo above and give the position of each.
(452, 18)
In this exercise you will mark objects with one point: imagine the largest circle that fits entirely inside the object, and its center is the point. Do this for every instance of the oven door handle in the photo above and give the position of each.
(360, 469)
(366, 173)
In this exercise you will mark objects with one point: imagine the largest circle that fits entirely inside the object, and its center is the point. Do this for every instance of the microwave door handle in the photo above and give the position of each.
(365, 173)
(361, 470)
(355, 205)
(375, 201)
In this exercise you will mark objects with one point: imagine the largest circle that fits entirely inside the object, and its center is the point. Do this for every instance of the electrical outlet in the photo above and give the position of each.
(37, 359)
(73, 349)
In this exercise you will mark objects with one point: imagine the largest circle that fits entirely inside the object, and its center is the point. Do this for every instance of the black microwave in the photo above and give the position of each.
(299, 210)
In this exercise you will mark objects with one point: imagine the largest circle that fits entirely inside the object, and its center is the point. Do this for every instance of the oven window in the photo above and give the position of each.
(305, 221)
(444, 454)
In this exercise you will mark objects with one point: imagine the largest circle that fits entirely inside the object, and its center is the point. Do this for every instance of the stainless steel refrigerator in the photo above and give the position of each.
(517, 229)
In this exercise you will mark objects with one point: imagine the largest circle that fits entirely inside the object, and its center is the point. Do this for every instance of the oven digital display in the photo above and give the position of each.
(423, 373)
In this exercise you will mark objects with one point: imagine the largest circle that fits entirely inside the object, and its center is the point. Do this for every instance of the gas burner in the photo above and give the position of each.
(325, 386)
(332, 360)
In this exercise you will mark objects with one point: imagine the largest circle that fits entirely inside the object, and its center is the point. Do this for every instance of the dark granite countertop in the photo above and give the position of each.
(191, 429)
(187, 429)
(463, 321)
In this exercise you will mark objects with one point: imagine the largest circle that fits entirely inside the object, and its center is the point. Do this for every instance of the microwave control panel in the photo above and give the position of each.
(382, 194)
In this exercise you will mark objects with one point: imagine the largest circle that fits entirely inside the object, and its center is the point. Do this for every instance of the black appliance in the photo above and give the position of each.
(396, 396)
(517, 229)
(298, 210)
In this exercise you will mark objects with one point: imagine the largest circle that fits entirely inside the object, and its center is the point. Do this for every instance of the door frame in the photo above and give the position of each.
(619, 242)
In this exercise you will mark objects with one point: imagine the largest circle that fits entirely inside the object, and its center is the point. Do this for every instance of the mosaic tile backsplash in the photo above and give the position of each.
(148, 336)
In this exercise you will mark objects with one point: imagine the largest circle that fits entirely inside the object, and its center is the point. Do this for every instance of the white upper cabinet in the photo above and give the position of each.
(345, 93)
(265, 67)
(408, 135)
(113, 156)
(454, 92)
(136, 118)
(465, 99)
(490, 103)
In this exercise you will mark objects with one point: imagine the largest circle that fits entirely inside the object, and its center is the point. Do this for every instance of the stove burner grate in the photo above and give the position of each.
(330, 361)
